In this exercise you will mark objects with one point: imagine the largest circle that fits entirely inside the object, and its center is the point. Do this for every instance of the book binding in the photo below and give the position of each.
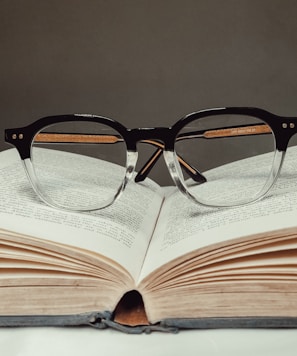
(104, 320)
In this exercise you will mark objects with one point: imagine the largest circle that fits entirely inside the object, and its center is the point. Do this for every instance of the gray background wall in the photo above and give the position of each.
(145, 63)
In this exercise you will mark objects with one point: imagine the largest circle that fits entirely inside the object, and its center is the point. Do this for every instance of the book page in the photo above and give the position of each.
(184, 226)
(121, 232)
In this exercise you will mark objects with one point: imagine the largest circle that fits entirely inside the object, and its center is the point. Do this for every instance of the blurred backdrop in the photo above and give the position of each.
(145, 62)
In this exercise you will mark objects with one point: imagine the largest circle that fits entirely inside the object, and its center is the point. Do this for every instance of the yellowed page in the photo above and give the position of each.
(121, 232)
(184, 226)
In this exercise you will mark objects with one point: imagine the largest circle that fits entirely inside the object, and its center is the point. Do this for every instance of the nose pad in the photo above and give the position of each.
(130, 168)
(132, 157)
(175, 170)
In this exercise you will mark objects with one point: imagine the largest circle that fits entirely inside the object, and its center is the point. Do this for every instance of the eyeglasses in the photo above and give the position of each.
(218, 157)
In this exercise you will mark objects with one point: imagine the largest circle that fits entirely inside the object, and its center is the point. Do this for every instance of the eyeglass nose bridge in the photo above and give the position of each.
(160, 137)
(161, 134)
(163, 140)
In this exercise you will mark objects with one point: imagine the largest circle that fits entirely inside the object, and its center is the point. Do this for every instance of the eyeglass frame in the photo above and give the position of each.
(164, 138)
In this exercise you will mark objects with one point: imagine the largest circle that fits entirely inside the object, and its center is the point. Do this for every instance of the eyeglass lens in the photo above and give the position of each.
(69, 174)
(225, 149)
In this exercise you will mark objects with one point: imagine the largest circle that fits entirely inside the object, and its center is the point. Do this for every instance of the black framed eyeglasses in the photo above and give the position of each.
(218, 157)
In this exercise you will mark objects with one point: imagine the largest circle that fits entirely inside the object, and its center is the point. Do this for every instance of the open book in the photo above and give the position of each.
(152, 260)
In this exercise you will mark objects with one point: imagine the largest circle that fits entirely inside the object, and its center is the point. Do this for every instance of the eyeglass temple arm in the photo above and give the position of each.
(243, 130)
(50, 137)
(95, 138)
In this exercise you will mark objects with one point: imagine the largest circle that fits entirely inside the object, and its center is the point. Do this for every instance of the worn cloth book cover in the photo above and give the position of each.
(151, 261)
